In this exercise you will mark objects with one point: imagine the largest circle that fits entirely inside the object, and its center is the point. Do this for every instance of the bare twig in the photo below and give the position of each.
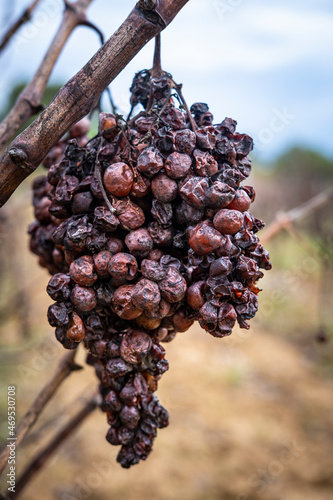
(80, 94)
(44, 455)
(24, 18)
(66, 366)
(285, 219)
(29, 102)
(59, 417)
(95, 28)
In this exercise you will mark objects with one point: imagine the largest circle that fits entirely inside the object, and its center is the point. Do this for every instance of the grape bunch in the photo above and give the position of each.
(145, 229)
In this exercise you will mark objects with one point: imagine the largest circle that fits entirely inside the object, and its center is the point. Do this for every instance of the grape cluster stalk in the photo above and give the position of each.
(146, 229)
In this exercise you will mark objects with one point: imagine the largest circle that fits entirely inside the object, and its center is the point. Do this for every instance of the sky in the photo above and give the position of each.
(266, 64)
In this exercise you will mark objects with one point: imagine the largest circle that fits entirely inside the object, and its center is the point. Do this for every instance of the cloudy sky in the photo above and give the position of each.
(266, 64)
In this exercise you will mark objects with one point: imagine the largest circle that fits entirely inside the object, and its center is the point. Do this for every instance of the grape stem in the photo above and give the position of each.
(178, 88)
(156, 71)
(98, 173)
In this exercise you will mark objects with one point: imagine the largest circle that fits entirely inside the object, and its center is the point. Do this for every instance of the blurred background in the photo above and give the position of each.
(251, 416)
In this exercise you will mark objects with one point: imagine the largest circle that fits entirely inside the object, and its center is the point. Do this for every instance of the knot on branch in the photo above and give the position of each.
(79, 10)
(69, 6)
(36, 107)
(19, 157)
(147, 9)
(26, 17)
(149, 4)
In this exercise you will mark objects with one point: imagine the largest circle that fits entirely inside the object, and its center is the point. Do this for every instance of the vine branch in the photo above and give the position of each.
(65, 368)
(283, 220)
(80, 94)
(29, 101)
